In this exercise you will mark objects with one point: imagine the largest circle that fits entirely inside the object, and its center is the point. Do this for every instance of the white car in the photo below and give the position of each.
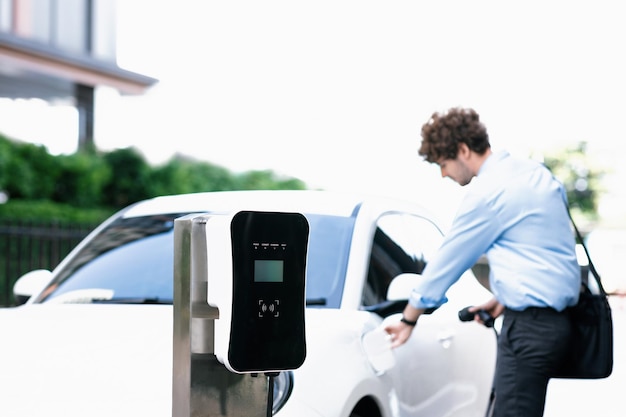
(96, 339)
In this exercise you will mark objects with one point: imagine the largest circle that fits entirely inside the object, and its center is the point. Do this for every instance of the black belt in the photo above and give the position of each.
(533, 311)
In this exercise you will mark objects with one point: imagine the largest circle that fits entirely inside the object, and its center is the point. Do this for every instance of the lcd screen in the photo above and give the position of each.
(268, 270)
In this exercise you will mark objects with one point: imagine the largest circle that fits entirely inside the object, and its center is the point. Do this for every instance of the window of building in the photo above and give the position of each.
(65, 25)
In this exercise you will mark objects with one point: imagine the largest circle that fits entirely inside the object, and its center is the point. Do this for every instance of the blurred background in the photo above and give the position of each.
(325, 94)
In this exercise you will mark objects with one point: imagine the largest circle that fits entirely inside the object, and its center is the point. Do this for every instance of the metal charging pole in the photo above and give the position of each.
(201, 385)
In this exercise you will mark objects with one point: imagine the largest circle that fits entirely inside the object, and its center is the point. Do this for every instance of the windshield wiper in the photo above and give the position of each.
(133, 300)
(316, 301)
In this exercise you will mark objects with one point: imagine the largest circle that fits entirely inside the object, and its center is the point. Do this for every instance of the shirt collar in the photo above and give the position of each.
(491, 160)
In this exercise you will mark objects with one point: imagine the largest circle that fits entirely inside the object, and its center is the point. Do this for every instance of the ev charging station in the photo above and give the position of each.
(239, 302)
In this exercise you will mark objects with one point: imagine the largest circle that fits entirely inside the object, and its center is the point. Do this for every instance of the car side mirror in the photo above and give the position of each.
(400, 289)
(397, 296)
(401, 286)
(29, 284)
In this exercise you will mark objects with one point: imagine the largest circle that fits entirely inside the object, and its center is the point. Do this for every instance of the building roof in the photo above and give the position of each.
(29, 69)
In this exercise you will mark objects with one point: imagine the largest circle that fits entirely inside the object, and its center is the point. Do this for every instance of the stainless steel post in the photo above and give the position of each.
(201, 385)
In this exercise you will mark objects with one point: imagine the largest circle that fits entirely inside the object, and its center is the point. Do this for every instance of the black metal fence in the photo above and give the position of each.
(25, 246)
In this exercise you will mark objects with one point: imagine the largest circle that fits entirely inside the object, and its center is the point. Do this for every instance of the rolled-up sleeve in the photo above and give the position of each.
(473, 231)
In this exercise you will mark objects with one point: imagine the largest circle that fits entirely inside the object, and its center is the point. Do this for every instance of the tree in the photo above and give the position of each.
(129, 181)
(82, 179)
(267, 180)
(185, 175)
(573, 167)
(26, 170)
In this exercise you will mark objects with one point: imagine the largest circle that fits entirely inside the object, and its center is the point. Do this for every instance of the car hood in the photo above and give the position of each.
(103, 360)
(95, 360)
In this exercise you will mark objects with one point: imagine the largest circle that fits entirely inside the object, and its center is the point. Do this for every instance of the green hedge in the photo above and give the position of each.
(88, 185)
(43, 210)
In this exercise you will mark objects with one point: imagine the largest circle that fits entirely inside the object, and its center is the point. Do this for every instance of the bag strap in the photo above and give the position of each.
(592, 268)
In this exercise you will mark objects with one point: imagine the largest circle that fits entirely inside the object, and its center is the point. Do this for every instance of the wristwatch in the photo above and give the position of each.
(408, 322)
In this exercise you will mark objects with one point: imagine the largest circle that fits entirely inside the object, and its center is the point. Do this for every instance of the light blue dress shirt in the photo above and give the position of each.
(515, 213)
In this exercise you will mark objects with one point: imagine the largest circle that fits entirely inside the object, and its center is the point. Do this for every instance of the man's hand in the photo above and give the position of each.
(399, 333)
(493, 307)
(401, 330)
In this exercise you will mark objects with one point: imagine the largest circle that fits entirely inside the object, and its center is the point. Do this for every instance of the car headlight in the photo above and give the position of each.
(283, 384)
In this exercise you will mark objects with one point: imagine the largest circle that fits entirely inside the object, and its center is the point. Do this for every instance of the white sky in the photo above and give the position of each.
(334, 92)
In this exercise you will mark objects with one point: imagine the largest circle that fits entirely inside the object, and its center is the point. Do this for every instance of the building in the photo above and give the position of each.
(61, 51)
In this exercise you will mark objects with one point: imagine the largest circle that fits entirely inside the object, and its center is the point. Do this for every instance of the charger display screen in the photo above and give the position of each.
(268, 270)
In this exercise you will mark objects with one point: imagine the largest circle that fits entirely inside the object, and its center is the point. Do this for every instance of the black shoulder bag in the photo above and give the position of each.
(591, 346)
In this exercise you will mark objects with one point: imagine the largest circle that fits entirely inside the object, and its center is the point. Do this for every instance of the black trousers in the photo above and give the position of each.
(531, 346)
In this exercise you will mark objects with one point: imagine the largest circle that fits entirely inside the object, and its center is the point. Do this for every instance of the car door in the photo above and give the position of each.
(437, 371)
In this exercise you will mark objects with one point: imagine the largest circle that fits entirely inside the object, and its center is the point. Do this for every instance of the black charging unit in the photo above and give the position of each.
(267, 331)
(256, 278)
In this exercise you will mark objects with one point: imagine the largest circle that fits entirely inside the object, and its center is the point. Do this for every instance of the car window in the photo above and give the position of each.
(327, 259)
(403, 243)
(131, 261)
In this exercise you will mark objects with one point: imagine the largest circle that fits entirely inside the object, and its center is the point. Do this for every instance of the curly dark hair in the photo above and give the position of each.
(443, 133)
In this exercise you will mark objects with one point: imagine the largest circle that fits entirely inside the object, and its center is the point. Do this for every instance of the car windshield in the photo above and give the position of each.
(132, 261)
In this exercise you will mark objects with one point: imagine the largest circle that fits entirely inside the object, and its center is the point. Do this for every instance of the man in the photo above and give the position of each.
(514, 212)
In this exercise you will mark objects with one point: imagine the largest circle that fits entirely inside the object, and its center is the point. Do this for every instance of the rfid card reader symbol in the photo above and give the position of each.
(269, 309)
